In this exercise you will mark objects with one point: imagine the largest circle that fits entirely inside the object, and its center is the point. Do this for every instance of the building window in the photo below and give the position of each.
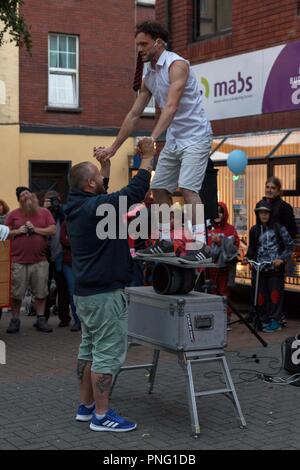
(287, 169)
(211, 17)
(145, 2)
(150, 108)
(63, 71)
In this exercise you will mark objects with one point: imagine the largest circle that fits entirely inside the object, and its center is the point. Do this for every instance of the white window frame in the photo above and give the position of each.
(145, 2)
(63, 71)
(150, 108)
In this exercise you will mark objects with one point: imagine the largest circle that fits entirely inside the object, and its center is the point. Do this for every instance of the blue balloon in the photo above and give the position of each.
(237, 161)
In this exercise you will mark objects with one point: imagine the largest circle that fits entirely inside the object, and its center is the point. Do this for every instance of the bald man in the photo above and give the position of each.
(102, 269)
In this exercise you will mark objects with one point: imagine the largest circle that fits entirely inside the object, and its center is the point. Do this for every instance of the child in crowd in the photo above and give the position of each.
(269, 242)
(224, 242)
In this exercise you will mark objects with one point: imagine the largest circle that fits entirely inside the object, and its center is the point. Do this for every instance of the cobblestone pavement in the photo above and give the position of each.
(38, 397)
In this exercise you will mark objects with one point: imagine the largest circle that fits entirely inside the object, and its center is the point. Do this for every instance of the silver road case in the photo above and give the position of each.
(189, 322)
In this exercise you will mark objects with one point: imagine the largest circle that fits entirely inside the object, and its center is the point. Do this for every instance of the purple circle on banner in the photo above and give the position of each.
(282, 92)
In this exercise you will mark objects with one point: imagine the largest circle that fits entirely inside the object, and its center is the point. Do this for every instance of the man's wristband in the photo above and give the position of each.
(154, 142)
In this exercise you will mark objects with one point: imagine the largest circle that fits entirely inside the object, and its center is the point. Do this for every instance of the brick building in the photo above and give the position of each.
(74, 91)
(247, 58)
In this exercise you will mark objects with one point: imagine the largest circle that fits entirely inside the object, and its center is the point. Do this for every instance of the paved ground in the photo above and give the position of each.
(38, 397)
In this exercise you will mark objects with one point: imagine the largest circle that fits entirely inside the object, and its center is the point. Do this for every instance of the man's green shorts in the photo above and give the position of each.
(104, 325)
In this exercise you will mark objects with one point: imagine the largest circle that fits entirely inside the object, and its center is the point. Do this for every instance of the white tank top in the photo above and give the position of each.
(190, 123)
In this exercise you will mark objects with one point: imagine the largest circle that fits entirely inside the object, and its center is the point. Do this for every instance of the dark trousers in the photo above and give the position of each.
(219, 279)
(270, 296)
(137, 273)
(63, 301)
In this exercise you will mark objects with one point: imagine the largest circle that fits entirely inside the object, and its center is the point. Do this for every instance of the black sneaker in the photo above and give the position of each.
(64, 323)
(201, 256)
(75, 327)
(14, 326)
(42, 325)
(160, 248)
(283, 321)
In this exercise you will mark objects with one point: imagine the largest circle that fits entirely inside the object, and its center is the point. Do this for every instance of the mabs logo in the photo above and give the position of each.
(205, 84)
(233, 86)
(230, 87)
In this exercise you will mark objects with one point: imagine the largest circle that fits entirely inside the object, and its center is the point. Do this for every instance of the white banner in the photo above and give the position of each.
(258, 82)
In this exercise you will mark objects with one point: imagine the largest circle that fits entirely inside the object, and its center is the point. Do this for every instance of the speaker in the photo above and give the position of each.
(291, 348)
(209, 192)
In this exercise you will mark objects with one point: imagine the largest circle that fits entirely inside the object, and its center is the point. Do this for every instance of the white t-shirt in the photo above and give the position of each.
(190, 123)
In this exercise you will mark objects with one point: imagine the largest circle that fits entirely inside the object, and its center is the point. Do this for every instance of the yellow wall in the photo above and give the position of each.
(76, 149)
(9, 78)
(9, 118)
(17, 149)
(9, 163)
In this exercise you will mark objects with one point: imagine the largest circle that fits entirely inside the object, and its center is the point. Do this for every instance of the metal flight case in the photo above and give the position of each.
(189, 322)
(191, 326)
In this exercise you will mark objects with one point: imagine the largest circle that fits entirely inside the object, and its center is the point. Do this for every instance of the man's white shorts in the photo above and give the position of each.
(182, 168)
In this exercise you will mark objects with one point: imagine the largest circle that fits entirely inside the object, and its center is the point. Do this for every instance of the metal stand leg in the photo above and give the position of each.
(248, 325)
(186, 360)
(187, 368)
(230, 386)
(151, 368)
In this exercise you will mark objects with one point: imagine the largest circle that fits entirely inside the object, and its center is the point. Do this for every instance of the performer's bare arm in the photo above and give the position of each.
(178, 75)
(128, 126)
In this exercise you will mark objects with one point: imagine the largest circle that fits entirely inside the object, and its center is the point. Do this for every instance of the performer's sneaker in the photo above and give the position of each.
(160, 248)
(111, 422)
(85, 413)
(201, 256)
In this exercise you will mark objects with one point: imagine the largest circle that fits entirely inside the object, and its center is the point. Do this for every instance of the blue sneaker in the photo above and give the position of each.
(272, 327)
(84, 413)
(111, 422)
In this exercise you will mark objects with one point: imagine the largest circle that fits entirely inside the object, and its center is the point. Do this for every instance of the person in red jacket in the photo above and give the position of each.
(224, 242)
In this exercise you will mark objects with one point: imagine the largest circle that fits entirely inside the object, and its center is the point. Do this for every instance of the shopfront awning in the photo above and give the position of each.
(258, 146)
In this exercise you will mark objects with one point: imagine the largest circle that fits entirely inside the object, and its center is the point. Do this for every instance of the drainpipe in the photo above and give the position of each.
(168, 21)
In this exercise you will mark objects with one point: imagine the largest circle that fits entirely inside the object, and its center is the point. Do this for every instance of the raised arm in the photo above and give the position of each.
(128, 126)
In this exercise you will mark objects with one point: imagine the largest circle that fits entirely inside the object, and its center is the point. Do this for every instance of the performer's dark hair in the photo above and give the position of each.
(154, 29)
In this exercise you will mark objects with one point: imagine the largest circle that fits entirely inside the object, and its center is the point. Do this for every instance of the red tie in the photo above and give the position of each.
(138, 76)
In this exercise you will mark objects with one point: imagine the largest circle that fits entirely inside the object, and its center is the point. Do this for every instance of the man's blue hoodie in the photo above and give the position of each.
(100, 265)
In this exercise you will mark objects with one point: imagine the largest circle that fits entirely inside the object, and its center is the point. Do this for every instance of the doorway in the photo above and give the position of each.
(49, 176)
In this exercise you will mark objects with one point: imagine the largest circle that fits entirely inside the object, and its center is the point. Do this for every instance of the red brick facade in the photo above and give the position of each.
(256, 25)
(106, 58)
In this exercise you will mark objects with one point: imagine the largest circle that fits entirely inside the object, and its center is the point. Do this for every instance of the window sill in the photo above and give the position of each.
(209, 37)
(148, 114)
(146, 3)
(58, 109)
